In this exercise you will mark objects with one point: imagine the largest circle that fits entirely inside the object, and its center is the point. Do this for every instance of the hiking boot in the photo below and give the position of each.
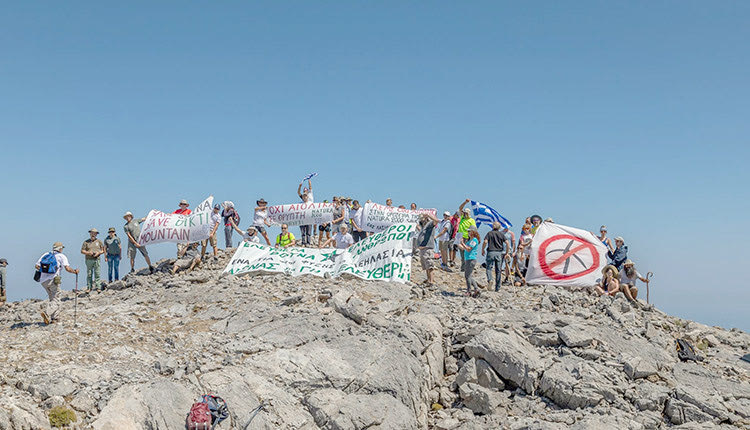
(151, 269)
(45, 317)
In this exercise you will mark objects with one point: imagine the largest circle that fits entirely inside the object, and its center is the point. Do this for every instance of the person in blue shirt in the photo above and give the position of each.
(470, 248)
(620, 253)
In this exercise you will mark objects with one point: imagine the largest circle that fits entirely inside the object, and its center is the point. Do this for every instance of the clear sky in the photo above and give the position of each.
(630, 114)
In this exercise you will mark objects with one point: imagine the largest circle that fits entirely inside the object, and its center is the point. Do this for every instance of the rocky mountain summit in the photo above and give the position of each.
(314, 353)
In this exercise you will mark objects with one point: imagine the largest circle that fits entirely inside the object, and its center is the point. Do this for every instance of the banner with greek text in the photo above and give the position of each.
(377, 217)
(166, 227)
(384, 256)
(301, 213)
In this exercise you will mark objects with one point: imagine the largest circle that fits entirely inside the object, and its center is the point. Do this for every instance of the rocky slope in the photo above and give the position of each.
(349, 354)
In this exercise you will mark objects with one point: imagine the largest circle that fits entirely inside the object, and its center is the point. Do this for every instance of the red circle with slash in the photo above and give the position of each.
(575, 248)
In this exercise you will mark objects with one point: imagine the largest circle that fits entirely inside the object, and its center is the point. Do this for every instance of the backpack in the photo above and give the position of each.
(48, 264)
(199, 417)
(686, 352)
(218, 408)
(236, 217)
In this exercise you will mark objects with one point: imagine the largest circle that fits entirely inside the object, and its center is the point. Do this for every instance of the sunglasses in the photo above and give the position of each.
(183, 204)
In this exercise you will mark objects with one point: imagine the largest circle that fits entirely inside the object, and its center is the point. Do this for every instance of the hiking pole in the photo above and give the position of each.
(75, 311)
(648, 275)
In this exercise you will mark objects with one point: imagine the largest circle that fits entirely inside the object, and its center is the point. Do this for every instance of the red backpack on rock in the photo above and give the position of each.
(199, 417)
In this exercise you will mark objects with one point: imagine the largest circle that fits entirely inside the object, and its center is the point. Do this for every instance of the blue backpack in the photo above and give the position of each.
(48, 263)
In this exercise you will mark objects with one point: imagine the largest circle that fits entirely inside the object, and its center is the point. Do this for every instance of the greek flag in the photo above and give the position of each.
(484, 213)
(308, 177)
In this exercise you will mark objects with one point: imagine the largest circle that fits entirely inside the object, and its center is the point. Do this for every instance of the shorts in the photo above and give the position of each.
(132, 250)
(426, 258)
(324, 227)
(212, 240)
(444, 246)
(260, 228)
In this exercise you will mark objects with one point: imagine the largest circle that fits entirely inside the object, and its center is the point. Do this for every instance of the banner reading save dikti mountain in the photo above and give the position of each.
(165, 227)
(301, 213)
(384, 256)
(377, 217)
(562, 255)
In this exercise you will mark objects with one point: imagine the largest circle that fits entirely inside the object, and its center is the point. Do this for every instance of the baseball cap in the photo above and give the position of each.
(446, 213)
(217, 206)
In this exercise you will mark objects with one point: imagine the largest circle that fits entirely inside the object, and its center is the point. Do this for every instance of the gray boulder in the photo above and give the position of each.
(511, 356)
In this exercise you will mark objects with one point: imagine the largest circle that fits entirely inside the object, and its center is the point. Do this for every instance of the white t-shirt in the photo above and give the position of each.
(310, 198)
(254, 238)
(259, 219)
(215, 219)
(62, 261)
(343, 241)
(356, 216)
(446, 223)
(624, 279)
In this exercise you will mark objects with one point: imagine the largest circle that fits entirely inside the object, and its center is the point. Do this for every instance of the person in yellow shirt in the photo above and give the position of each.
(285, 239)
(464, 225)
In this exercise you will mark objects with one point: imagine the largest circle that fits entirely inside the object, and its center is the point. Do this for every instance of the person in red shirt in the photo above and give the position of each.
(183, 210)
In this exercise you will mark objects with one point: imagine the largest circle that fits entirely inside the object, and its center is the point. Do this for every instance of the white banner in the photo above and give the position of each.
(384, 256)
(562, 255)
(165, 227)
(377, 217)
(301, 213)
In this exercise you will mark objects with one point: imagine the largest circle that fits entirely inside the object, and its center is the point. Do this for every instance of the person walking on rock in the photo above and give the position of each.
(260, 219)
(50, 265)
(112, 256)
(470, 248)
(619, 254)
(93, 248)
(3, 280)
(496, 243)
(133, 231)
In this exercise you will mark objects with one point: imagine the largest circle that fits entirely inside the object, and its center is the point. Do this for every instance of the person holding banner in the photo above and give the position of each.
(183, 209)
(388, 202)
(215, 221)
(340, 240)
(305, 230)
(249, 236)
(355, 215)
(285, 239)
(260, 219)
(133, 231)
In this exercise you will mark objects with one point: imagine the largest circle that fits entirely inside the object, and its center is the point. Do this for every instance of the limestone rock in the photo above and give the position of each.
(511, 356)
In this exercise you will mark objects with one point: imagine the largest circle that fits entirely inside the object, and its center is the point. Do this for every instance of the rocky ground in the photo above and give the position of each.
(350, 354)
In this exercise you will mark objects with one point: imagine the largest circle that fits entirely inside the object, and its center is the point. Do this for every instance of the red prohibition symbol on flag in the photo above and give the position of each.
(567, 257)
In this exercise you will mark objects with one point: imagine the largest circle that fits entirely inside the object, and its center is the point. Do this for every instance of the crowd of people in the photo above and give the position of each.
(436, 245)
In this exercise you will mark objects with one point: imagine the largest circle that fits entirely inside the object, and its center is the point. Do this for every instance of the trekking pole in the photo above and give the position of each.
(75, 311)
(648, 275)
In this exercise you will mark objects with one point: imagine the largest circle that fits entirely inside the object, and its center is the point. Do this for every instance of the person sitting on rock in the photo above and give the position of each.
(519, 266)
(187, 258)
(249, 236)
(610, 283)
(628, 278)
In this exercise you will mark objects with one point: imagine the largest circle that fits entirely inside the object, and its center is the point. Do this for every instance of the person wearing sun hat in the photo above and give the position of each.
(183, 209)
(260, 219)
(610, 282)
(92, 248)
(50, 266)
(112, 256)
(628, 277)
(464, 225)
(133, 232)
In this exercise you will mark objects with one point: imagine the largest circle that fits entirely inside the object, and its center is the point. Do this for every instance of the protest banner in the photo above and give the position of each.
(377, 217)
(301, 213)
(167, 227)
(384, 256)
(562, 255)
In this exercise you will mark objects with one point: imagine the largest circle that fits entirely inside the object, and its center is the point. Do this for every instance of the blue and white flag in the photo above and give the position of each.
(308, 177)
(484, 213)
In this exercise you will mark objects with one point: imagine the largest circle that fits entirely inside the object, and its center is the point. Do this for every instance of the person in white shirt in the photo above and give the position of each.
(215, 218)
(355, 215)
(305, 231)
(50, 269)
(260, 219)
(340, 240)
(628, 277)
(249, 236)
(444, 238)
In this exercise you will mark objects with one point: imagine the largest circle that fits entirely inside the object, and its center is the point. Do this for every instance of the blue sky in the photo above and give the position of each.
(633, 115)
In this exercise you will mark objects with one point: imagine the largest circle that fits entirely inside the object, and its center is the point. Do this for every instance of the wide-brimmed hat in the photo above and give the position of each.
(128, 213)
(57, 245)
(628, 262)
(111, 230)
(446, 213)
(619, 239)
(94, 230)
(533, 217)
(184, 202)
(261, 201)
(549, 220)
(615, 273)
